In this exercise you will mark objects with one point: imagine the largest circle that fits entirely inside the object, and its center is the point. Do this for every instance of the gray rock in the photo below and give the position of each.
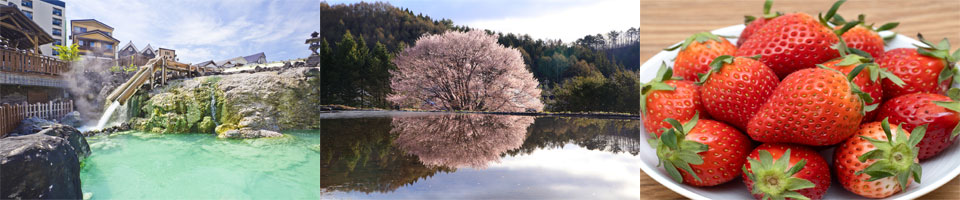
(39, 166)
(246, 133)
(72, 119)
(72, 135)
(31, 125)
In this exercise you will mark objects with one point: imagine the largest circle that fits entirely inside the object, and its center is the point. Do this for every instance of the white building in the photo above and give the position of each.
(49, 15)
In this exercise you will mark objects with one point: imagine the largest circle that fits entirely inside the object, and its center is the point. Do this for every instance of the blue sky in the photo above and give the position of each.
(544, 19)
(208, 30)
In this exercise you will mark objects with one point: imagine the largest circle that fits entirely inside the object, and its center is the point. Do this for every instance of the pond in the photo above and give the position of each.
(406, 155)
(136, 165)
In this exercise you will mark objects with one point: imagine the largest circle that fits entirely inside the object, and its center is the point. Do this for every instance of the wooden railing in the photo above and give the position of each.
(11, 115)
(19, 61)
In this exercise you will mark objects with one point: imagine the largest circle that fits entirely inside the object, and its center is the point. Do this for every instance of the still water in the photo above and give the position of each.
(402, 155)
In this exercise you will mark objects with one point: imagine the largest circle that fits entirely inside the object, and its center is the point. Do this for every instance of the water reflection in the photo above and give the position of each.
(468, 156)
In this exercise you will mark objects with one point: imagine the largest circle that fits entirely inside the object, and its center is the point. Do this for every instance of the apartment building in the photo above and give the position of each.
(94, 38)
(49, 15)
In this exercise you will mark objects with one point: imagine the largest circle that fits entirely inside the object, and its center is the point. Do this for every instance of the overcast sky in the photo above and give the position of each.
(543, 19)
(208, 30)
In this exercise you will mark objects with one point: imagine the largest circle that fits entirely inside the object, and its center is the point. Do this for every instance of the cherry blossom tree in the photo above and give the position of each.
(463, 71)
(460, 140)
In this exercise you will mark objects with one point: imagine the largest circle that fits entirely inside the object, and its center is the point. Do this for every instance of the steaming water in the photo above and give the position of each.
(106, 115)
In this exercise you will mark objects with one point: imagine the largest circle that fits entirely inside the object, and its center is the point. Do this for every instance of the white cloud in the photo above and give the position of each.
(569, 24)
(208, 30)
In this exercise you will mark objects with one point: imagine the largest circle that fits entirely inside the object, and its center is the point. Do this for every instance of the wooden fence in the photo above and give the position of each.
(11, 115)
(19, 61)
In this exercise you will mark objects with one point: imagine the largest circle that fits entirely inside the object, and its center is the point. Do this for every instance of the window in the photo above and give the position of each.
(57, 12)
(27, 3)
(108, 46)
(56, 31)
(28, 14)
(57, 22)
(77, 30)
(57, 42)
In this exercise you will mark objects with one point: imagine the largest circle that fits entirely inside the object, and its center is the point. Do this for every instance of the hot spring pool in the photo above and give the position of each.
(135, 165)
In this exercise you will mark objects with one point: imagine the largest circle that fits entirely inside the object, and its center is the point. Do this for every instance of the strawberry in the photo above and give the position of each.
(696, 52)
(753, 23)
(779, 171)
(709, 152)
(815, 107)
(878, 163)
(864, 37)
(926, 69)
(939, 113)
(868, 80)
(793, 42)
(735, 88)
(669, 98)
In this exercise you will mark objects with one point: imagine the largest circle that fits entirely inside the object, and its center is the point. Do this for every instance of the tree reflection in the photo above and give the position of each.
(460, 140)
(382, 154)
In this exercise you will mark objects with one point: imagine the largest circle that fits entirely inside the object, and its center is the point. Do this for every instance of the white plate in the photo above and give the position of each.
(936, 171)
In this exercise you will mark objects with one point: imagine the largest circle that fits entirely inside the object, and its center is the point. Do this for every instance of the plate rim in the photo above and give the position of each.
(675, 187)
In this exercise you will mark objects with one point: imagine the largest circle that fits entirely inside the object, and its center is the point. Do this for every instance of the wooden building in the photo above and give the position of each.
(25, 74)
(94, 38)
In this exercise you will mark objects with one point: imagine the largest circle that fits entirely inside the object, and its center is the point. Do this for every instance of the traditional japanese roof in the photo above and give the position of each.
(255, 57)
(147, 49)
(92, 20)
(129, 45)
(27, 25)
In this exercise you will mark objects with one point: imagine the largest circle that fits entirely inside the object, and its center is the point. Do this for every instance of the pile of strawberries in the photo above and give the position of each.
(796, 85)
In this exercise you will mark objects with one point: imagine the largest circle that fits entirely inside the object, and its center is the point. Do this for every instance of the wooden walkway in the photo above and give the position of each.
(147, 75)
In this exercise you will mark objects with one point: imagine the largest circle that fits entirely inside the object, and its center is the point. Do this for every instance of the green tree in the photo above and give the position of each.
(67, 53)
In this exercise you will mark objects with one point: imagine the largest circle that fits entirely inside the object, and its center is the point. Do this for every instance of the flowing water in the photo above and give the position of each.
(404, 155)
(135, 165)
(213, 106)
(107, 114)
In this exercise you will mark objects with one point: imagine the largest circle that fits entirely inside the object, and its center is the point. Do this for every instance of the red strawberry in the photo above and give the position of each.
(793, 42)
(735, 88)
(754, 24)
(868, 80)
(668, 98)
(927, 69)
(708, 152)
(696, 53)
(878, 163)
(939, 113)
(778, 171)
(864, 37)
(815, 107)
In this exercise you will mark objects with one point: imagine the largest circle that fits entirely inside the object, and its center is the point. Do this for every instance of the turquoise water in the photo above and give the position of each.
(135, 165)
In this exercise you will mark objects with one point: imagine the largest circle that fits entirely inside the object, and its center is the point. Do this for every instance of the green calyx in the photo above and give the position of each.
(864, 97)
(663, 74)
(675, 152)
(700, 37)
(894, 157)
(954, 105)
(715, 67)
(858, 57)
(942, 51)
(830, 13)
(766, 13)
(838, 20)
(774, 179)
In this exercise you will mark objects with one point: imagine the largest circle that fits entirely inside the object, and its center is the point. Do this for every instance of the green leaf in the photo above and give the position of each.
(783, 162)
(766, 158)
(866, 57)
(674, 47)
(892, 77)
(917, 171)
(886, 128)
(750, 176)
(944, 44)
(856, 71)
(956, 131)
(676, 124)
(838, 20)
(877, 175)
(846, 27)
(954, 93)
(693, 146)
(691, 158)
(950, 105)
(888, 26)
(686, 167)
(692, 123)
(672, 171)
(873, 154)
(795, 195)
(874, 72)
(831, 12)
(747, 19)
(902, 179)
(660, 86)
(796, 167)
(669, 138)
(871, 107)
(945, 74)
(794, 184)
(917, 135)
(850, 59)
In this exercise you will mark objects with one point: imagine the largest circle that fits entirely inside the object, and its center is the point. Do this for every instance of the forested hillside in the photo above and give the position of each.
(594, 73)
